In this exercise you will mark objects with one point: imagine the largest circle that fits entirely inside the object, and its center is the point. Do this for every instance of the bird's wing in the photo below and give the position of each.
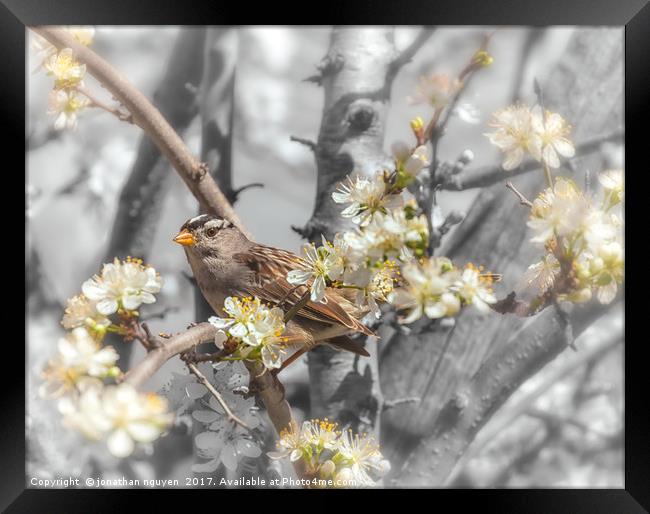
(271, 265)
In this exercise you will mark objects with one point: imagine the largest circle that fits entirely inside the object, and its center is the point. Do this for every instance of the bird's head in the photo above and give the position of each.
(205, 234)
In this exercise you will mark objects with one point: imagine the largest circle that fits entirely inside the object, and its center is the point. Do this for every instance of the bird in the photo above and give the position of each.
(226, 263)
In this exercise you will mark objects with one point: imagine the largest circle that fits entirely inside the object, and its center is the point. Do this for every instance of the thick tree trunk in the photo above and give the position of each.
(464, 374)
(356, 76)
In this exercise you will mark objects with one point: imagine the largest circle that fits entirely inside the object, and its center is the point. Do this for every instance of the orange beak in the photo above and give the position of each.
(185, 238)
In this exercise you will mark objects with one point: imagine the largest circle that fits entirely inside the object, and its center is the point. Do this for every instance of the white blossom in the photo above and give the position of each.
(389, 236)
(124, 285)
(363, 459)
(67, 71)
(377, 287)
(257, 326)
(319, 265)
(119, 414)
(612, 183)
(550, 138)
(365, 197)
(64, 105)
(349, 460)
(427, 290)
(475, 288)
(80, 311)
(560, 211)
(513, 134)
(541, 276)
(79, 356)
(409, 161)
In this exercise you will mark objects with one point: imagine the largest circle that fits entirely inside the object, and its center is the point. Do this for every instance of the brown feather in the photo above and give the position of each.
(271, 265)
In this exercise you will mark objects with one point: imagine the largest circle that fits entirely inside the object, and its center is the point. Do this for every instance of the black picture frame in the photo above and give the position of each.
(15, 15)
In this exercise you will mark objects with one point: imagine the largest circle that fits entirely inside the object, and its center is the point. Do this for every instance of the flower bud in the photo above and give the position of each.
(327, 469)
(451, 302)
(220, 338)
(114, 372)
(417, 124)
(482, 59)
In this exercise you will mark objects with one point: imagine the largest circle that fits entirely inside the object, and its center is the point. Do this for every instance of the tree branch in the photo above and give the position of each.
(197, 373)
(193, 172)
(490, 175)
(263, 383)
(175, 345)
(357, 96)
(406, 55)
(524, 402)
(490, 236)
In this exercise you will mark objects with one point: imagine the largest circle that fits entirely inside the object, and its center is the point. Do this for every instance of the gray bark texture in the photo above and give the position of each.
(217, 111)
(464, 373)
(356, 76)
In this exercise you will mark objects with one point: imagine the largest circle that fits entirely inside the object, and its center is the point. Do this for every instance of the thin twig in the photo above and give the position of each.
(307, 142)
(489, 175)
(202, 378)
(434, 132)
(522, 199)
(409, 52)
(115, 111)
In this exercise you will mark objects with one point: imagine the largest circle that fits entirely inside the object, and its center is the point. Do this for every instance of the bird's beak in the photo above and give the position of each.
(185, 238)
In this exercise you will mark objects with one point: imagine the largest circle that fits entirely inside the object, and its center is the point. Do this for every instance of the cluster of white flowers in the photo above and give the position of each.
(436, 288)
(586, 237)
(338, 458)
(255, 328)
(80, 359)
(65, 101)
(522, 130)
(77, 372)
(386, 246)
(117, 413)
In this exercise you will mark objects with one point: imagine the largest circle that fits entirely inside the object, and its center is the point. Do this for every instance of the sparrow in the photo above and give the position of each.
(226, 263)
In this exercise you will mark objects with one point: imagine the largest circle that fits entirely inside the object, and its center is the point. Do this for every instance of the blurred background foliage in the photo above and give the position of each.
(565, 434)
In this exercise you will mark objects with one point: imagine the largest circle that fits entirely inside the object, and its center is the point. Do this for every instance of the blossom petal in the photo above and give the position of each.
(143, 431)
(120, 443)
(564, 147)
(107, 306)
(296, 277)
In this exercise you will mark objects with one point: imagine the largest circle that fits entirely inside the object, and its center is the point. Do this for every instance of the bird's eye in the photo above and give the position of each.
(211, 232)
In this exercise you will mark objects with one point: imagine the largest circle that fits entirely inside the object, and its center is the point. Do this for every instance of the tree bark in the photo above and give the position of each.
(217, 101)
(356, 75)
(464, 374)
